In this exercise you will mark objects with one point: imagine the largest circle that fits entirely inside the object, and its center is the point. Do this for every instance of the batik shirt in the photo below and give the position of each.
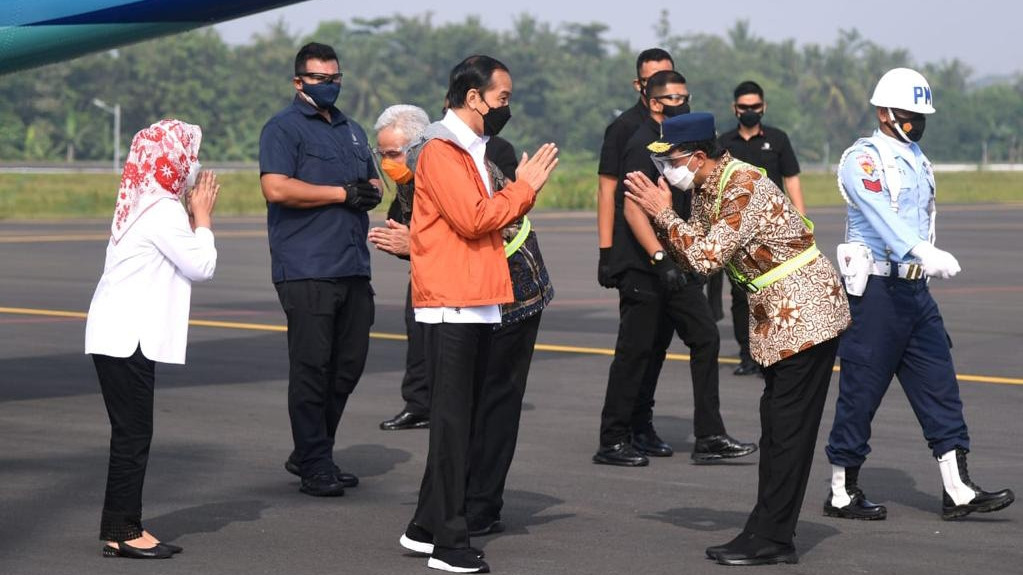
(757, 229)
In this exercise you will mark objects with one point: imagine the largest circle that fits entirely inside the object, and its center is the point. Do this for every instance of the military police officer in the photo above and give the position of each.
(897, 329)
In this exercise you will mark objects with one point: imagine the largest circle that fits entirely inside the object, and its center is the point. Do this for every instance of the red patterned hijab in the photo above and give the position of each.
(157, 167)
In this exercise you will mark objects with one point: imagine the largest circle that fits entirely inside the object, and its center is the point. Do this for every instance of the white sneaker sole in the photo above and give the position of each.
(416, 546)
(438, 564)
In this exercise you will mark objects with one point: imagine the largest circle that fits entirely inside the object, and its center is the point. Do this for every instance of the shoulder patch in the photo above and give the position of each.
(866, 162)
(872, 185)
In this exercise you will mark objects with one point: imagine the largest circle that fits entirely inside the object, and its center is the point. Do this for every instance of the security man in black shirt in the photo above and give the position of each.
(655, 298)
(612, 150)
(768, 148)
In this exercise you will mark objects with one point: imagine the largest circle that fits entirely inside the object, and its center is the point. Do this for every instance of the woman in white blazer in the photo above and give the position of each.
(139, 313)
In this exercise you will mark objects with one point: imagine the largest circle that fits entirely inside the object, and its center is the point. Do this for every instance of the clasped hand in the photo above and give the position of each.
(652, 198)
(535, 170)
(202, 198)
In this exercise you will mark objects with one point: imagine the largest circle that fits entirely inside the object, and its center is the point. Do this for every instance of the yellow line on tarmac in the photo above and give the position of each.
(102, 237)
(400, 337)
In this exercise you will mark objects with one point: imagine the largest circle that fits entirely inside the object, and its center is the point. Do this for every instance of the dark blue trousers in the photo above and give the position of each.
(896, 330)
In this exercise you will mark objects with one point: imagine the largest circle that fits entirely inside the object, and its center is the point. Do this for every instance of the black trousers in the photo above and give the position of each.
(415, 387)
(647, 314)
(714, 284)
(127, 386)
(328, 340)
(795, 390)
(456, 360)
(495, 429)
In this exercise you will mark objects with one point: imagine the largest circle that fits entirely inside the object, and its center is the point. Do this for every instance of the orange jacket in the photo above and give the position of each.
(455, 246)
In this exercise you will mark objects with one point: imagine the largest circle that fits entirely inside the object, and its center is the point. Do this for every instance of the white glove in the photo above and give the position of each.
(936, 263)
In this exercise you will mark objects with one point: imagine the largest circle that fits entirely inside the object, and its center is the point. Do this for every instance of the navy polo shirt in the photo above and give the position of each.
(328, 241)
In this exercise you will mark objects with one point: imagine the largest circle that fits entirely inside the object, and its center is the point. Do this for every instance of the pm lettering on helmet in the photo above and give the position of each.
(921, 92)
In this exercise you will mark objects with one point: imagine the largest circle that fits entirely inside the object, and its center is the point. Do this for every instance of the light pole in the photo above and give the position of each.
(116, 111)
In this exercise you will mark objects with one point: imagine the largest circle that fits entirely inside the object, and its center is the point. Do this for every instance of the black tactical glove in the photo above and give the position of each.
(604, 277)
(361, 196)
(672, 278)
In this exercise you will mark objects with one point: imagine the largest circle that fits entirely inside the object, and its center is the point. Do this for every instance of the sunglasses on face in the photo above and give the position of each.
(323, 78)
(389, 154)
(675, 99)
(748, 107)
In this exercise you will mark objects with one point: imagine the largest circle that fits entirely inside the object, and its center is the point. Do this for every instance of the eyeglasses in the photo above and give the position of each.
(393, 154)
(676, 99)
(748, 107)
(324, 78)
(664, 162)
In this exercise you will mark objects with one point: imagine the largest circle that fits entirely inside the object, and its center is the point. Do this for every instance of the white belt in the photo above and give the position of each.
(906, 271)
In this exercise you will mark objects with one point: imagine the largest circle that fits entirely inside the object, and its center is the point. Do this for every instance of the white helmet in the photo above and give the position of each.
(904, 89)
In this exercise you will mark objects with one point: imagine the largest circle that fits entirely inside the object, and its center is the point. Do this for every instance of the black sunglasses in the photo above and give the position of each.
(323, 78)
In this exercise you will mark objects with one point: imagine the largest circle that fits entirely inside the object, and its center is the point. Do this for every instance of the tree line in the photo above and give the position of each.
(569, 82)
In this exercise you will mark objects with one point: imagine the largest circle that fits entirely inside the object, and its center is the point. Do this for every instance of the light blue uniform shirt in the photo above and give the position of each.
(889, 234)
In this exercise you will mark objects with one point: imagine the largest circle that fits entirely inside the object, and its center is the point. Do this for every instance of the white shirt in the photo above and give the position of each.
(144, 295)
(476, 146)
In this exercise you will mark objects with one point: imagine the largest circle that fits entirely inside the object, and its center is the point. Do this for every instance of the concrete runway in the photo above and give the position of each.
(216, 483)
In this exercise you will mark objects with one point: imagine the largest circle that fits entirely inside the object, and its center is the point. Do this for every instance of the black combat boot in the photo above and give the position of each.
(846, 499)
(960, 496)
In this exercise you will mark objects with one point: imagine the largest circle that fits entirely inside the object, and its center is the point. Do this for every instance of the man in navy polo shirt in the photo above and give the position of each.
(319, 181)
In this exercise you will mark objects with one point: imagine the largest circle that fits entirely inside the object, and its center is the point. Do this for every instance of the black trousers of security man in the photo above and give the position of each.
(642, 305)
(415, 386)
(328, 340)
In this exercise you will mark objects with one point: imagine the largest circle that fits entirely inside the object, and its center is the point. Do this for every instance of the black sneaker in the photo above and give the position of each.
(322, 484)
(457, 560)
(416, 539)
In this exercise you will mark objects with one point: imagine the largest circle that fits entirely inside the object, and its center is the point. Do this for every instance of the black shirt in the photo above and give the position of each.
(502, 153)
(626, 252)
(770, 149)
(616, 136)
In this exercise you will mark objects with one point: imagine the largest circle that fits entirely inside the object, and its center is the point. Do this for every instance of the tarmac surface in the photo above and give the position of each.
(216, 483)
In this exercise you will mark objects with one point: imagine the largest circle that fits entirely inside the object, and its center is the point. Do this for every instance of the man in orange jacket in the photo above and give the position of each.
(459, 279)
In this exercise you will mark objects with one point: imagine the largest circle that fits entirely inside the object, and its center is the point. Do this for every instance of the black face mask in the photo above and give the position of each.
(749, 118)
(910, 130)
(495, 119)
(672, 111)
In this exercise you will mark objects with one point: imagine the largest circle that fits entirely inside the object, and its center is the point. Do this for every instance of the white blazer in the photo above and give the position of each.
(144, 295)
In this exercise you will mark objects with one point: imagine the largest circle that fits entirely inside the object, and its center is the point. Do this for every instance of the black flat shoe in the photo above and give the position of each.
(757, 550)
(406, 420)
(123, 550)
(714, 550)
(716, 447)
(323, 484)
(649, 443)
(622, 454)
(345, 479)
(173, 548)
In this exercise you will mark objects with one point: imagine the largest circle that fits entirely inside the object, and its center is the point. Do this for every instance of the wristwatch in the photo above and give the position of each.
(657, 258)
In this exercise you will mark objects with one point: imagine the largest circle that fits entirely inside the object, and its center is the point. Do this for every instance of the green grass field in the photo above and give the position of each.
(572, 187)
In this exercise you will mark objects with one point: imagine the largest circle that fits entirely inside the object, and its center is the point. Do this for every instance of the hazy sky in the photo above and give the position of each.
(982, 33)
